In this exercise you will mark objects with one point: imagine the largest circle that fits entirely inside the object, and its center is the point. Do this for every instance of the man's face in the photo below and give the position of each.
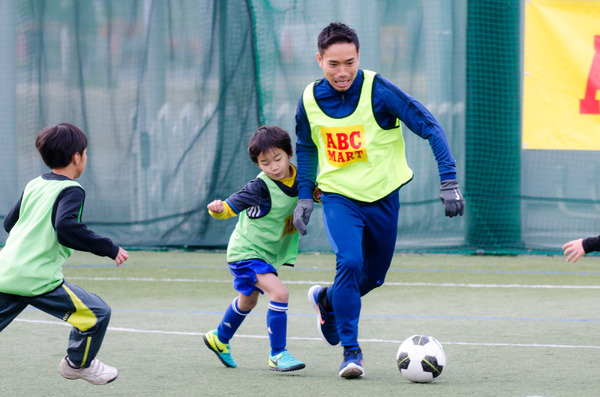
(340, 65)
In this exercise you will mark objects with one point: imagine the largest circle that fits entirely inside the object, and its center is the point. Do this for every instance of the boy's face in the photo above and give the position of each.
(340, 65)
(275, 162)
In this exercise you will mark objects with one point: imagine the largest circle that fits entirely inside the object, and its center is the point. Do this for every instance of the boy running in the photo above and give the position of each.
(44, 228)
(263, 240)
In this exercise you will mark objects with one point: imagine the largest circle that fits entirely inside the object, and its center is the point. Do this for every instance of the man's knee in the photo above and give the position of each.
(366, 284)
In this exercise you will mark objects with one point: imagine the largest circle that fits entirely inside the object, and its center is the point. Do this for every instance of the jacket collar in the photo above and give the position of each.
(354, 88)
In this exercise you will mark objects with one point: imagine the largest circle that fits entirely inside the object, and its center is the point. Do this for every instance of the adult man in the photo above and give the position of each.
(348, 125)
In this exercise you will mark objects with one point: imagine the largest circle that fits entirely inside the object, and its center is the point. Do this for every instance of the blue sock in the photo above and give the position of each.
(277, 326)
(232, 319)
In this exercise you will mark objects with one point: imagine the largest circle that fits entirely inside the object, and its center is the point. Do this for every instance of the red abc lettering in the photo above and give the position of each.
(349, 156)
(342, 141)
(589, 104)
(330, 142)
(355, 140)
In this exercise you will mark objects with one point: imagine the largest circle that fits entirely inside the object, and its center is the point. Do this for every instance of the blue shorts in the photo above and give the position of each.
(244, 274)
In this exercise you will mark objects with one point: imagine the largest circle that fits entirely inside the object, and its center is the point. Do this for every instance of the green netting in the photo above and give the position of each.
(165, 91)
(493, 120)
(168, 92)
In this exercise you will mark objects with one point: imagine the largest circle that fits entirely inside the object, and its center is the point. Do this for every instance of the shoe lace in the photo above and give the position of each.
(286, 357)
(331, 322)
(352, 354)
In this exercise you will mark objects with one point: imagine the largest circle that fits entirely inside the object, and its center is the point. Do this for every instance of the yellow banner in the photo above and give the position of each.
(561, 86)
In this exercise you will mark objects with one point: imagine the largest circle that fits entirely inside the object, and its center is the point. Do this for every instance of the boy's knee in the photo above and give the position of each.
(103, 313)
(281, 296)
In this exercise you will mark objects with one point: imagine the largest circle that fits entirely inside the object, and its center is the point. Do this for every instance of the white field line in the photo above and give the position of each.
(161, 332)
(415, 284)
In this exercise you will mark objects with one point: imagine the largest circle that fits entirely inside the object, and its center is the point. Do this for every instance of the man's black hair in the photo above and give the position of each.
(336, 32)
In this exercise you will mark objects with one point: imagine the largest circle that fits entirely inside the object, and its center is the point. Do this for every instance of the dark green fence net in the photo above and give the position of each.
(168, 92)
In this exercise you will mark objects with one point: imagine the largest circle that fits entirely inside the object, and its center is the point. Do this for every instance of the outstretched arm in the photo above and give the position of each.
(574, 250)
(253, 194)
(73, 233)
(391, 104)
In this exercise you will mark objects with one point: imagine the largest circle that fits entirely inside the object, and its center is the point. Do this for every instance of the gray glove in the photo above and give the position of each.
(302, 214)
(452, 198)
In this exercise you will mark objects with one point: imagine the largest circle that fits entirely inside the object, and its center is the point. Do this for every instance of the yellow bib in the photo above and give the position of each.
(357, 158)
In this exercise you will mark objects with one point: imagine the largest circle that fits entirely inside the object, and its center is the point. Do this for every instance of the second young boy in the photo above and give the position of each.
(263, 240)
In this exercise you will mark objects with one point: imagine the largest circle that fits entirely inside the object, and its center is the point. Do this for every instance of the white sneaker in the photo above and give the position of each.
(98, 373)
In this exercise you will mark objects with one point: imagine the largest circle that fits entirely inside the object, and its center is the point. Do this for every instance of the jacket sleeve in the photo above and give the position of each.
(71, 232)
(254, 193)
(389, 100)
(591, 244)
(307, 155)
(13, 215)
(226, 214)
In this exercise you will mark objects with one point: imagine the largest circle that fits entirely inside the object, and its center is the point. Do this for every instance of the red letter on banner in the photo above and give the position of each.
(589, 104)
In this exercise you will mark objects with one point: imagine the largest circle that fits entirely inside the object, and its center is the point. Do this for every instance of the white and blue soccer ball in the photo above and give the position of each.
(421, 358)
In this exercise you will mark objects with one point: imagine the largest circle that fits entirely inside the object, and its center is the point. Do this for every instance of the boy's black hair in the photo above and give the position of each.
(268, 137)
(336, 32)
(58, 143)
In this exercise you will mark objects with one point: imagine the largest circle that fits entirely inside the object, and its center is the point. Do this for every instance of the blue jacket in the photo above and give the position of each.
(389, 104)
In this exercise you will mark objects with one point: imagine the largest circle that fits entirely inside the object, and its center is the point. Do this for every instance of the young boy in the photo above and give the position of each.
(44, 228)
(263, 240)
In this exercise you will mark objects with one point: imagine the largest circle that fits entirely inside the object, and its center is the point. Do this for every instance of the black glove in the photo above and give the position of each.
(452, 198)
(302, 213)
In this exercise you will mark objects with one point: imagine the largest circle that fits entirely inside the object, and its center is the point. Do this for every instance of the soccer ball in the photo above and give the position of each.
(421, 358)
